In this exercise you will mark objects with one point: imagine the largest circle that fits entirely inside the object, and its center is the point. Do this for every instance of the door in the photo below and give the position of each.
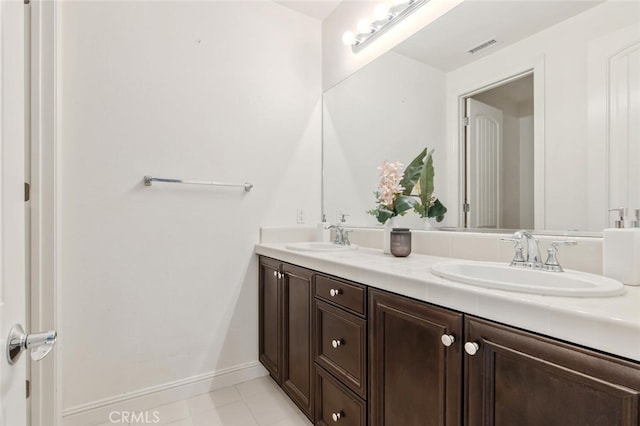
(13, 407)
(415, 363)
(296, 337)
(270, 317)
(518, 378)
(484, 162)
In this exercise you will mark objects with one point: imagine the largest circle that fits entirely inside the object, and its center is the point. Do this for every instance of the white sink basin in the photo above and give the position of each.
(505, 277)
(319, 246)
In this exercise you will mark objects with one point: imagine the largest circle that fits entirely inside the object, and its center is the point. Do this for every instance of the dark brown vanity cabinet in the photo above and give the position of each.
(353, 355)
(340, 351)
(414, 378)
(519, 378)
(285, 329)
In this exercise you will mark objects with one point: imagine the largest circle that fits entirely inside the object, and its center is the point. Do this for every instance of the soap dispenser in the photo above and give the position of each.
(635, 223)
(621, 251)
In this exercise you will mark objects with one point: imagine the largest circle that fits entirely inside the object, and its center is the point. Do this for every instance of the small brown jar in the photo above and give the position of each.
(400, 242)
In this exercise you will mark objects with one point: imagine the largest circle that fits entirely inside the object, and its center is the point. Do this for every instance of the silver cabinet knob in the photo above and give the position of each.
(448, 339)
(471, 348)
(280, 275)
(336, 343)
(334, 292)
(275, 273)
(336, 416)
(39, 343)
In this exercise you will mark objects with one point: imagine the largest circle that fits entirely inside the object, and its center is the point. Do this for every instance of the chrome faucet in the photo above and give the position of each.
(533, 259)
(533, 252)
(342, 235)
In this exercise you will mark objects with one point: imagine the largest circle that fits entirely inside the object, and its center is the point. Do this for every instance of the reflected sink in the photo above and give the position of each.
(319, 246)
(504, 277)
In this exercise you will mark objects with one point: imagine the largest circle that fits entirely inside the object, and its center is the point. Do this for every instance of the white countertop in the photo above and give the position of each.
(609, 324)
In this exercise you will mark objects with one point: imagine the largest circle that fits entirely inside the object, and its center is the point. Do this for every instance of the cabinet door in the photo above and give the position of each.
(270, 317)
(297, 337)
(414, 379)
(518, 378)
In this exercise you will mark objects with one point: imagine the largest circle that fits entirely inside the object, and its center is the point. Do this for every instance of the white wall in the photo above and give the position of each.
(526, 167)
(339, 62)
(159, 284)
(390, 110)
(563, 51)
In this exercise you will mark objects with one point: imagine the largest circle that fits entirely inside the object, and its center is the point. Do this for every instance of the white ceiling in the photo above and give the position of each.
(445, 42)
(318, 9)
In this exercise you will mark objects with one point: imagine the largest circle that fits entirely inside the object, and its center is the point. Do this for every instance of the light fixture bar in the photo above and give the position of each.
(362, 40)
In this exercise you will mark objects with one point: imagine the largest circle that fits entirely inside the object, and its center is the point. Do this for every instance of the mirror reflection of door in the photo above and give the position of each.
(484, 164)
(499, 185)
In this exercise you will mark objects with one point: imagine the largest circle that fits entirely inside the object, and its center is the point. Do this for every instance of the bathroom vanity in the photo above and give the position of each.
(359, 338)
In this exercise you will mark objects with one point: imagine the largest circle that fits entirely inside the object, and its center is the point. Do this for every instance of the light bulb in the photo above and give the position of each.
(381, 12)
(364, 26)
(348, 38)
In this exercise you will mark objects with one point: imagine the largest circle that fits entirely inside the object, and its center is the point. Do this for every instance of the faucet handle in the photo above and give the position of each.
(518, 258)
(345, 237)
(552, 263)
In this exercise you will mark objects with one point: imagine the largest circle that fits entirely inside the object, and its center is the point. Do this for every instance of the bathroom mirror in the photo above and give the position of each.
(582, 145)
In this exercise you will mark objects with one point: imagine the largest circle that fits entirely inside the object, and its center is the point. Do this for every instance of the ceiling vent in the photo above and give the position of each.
(482, 46)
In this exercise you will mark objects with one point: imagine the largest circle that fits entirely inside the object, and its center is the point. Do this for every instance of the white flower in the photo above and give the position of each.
(389, 186)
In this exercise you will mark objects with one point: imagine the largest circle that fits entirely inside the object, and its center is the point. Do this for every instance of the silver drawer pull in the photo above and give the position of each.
(335, 292)
(336, 343)
(336, 416)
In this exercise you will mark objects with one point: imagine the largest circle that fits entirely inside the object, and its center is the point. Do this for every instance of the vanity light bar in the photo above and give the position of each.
(482, 46)
(385, 18)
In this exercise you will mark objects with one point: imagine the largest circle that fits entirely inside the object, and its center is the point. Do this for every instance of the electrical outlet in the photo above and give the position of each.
(300, 215)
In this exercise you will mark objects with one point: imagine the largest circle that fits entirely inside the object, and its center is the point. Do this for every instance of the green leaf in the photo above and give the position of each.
(412, 173)
(437, 210)
(384, 215)
(426, 181)
(404, 203)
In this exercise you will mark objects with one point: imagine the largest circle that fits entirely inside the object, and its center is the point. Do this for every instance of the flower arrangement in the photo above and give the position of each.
(400, 192)
(390, 194)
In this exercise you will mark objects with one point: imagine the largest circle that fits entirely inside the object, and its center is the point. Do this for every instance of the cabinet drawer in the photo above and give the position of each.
(350, 296)
(340, 345)
(337, 404)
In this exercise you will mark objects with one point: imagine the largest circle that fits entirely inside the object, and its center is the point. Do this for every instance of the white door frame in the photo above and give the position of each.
(45, 218)
(457, 92)
(13, 404)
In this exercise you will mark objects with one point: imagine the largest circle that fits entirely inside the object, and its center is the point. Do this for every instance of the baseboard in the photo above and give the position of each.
(97, 412)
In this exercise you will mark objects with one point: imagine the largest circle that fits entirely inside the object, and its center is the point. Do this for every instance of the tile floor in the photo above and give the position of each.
(258, 402)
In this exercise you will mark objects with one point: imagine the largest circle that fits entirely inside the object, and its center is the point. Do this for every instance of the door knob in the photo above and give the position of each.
(448, 339)
(39, 343)
(471, 348)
